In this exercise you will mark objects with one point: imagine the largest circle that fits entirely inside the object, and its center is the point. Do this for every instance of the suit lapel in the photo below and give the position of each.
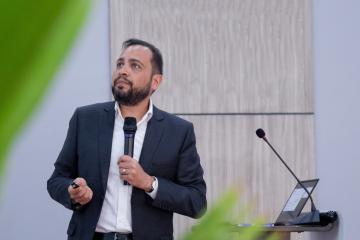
(153, 135)
(106, 129)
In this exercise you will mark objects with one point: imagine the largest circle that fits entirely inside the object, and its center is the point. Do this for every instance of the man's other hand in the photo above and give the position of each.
(82, 194)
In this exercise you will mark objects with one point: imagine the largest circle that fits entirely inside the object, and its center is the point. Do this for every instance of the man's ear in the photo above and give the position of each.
(156, 81)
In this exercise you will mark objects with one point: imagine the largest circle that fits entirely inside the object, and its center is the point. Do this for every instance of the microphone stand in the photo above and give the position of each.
(308, 218)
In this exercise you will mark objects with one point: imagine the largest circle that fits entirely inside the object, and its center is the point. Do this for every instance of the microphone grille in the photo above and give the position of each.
(130, 125)
(260, 133)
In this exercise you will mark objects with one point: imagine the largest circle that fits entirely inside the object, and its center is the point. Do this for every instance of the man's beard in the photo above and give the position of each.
(132, 96)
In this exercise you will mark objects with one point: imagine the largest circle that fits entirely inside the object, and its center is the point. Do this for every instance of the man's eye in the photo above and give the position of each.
(136, 66)
(119, 64)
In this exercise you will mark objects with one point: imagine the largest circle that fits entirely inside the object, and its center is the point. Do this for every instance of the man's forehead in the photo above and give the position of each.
(136, 51)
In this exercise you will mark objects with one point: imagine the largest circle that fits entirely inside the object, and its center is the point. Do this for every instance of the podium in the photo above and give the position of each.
(283, 232)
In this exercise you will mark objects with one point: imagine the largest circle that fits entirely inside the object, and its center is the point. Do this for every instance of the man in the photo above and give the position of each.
(164, 175)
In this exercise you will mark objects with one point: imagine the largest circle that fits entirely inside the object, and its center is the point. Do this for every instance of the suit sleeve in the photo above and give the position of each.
(187, 195)
(65, 167)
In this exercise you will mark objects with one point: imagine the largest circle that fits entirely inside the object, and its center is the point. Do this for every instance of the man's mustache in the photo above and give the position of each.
(122, 79)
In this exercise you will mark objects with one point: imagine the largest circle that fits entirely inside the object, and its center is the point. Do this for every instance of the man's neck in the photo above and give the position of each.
(137, 111)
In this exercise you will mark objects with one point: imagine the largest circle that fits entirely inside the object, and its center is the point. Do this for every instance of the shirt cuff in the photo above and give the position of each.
(153, 193)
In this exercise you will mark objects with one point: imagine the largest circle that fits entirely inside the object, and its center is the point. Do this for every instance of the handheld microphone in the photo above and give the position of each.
(314, 214)
(129, 135)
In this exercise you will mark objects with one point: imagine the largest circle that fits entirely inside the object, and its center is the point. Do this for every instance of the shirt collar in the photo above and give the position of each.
(147, 116)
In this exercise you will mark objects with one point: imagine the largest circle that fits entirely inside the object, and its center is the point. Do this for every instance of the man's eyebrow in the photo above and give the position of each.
(121, 59)
(136, 60)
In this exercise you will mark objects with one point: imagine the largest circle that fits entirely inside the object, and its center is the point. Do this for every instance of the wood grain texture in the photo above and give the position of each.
(234, 56)
(232, 155)
(253, 54)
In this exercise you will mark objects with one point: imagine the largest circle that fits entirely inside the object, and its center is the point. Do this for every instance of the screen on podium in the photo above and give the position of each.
(296, 202)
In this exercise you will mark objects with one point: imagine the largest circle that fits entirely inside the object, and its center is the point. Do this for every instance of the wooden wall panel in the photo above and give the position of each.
(235, 57)
(254, 54)
(232, 155)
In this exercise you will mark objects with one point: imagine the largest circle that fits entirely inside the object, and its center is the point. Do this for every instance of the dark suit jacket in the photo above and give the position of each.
(169, 153)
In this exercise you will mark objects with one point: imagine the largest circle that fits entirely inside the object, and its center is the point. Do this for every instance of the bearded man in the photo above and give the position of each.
(163, 176)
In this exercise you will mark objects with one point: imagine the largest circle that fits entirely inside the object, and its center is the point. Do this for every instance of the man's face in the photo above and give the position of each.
(132, 80)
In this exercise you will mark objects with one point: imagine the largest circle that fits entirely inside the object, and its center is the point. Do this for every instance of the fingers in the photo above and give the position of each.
(126, 162)
(80, 182)
(127, 166)
(131, 171)
(127, 174)
(82, 194)
(86, 197)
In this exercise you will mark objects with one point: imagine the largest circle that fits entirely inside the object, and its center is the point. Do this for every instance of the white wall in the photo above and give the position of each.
(337, 112)
(26, 210)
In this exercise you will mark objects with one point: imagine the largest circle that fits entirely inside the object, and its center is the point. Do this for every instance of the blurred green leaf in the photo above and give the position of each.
(34, 39)
(221, 222)
(215, 223)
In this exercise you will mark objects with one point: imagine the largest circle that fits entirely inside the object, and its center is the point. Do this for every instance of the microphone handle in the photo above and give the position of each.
(129, 147)
(313, 208)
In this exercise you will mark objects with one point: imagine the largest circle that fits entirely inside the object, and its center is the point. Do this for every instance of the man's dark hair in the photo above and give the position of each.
(156, 61)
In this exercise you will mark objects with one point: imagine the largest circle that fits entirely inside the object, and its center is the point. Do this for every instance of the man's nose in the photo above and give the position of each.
(123, 70)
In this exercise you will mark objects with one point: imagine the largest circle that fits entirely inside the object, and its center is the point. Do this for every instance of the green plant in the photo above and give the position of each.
(34, 39)
(220, 222)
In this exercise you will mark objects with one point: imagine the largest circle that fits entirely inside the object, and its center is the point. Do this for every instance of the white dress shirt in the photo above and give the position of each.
(115, 214)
